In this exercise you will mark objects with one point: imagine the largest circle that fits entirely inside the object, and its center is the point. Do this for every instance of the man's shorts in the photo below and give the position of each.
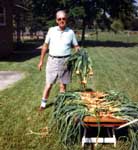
(57, 69)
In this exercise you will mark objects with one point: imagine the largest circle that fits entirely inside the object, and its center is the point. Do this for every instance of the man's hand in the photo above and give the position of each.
(43, 52)
(40, 65)
(77, 48)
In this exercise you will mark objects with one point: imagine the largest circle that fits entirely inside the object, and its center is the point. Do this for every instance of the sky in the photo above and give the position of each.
(136, 2)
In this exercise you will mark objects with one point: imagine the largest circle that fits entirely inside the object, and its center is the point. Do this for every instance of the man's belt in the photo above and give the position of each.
(59, 56)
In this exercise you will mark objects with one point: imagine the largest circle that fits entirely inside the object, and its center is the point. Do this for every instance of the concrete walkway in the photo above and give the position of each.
(7, 78)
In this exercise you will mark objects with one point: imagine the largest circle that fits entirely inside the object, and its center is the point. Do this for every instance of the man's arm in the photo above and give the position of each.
(43, 52)
(75, 42)
(77, 48)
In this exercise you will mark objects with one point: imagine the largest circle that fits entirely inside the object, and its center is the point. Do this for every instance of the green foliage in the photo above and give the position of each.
(117, 25)
(51, 23)
(41, 13)
(81, 65)
(68, 114)
(134, 138)
(77, 12)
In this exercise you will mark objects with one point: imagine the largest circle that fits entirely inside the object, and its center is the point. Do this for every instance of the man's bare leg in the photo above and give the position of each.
(62, 88)
(46, 91)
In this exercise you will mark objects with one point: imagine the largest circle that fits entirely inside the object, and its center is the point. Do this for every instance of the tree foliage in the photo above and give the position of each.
(103, 12)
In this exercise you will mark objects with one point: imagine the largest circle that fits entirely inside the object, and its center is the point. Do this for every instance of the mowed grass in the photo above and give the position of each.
(114, 68)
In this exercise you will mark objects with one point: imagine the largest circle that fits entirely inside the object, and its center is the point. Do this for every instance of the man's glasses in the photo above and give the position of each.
(59, 19)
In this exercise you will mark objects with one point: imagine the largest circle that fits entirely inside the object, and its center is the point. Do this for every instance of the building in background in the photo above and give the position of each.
(10, 13)
(6, 28)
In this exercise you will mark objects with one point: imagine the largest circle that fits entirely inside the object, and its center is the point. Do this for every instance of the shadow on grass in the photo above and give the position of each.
(88, 43)
(27, 50)
(82, 90)
(50, 104)
(24, 51)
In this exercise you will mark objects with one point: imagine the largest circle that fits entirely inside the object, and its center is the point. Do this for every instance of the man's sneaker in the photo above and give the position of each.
(43, 105)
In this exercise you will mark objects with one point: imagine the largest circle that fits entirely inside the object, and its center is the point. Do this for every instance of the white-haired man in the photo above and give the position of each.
(59, 41)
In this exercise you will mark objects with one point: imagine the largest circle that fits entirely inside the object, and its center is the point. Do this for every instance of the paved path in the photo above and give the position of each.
(7, 78)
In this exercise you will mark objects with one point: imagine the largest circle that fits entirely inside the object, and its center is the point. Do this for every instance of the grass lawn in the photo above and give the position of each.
(114, 68)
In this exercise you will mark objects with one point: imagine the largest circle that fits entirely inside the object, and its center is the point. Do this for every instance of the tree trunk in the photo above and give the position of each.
(83, 31)
(18, 29)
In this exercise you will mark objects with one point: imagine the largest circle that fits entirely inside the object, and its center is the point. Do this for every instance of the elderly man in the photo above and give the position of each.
(59, 41)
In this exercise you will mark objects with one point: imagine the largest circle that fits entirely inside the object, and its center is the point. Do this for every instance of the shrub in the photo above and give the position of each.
(117, 25)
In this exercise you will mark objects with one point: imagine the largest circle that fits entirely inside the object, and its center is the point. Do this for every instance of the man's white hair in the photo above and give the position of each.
(61, 12)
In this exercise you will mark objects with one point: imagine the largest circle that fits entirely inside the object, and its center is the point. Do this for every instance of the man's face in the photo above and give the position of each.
(61, 20)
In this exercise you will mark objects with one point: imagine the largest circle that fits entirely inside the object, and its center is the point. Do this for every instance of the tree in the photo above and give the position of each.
(88, 11)
(122, 10)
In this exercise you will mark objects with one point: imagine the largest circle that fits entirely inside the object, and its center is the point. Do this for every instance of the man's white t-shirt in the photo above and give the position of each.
(60, 42)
